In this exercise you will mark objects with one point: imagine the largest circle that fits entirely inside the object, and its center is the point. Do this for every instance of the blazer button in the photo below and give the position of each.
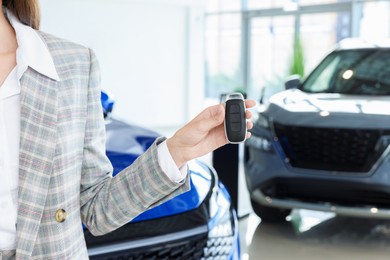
(60, 215)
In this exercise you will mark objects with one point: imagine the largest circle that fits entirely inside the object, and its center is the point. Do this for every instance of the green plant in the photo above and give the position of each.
(298, 60)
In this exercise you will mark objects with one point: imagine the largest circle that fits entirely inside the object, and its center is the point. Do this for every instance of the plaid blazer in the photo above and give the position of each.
(63, 166)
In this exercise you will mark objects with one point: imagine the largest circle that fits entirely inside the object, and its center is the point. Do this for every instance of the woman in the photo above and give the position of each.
(53, 168)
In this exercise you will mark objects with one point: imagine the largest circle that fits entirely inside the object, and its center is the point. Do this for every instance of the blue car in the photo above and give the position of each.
(198, 224)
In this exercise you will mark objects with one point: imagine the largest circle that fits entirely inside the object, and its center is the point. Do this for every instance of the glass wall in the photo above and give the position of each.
(375, 20)
(271, 46)
(265, 4)
(223, 5)
(319, 32)
(250, 43)
(314, 2)
(223, 54)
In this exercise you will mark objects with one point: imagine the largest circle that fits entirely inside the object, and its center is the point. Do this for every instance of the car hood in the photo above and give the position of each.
(295, 107)
(125, 142)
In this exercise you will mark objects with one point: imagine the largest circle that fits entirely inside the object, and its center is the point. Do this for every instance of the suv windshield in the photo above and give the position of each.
(356, 72)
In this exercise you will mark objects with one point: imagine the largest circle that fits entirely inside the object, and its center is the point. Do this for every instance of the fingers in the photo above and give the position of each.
(249, 125)
(248, 114)
(250, 103)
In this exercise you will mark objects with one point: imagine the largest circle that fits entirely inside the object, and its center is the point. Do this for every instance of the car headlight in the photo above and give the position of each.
(260, 138)
(221, 238)
(221, 235)
(262, 120)
(259, 143)
(223, 228)
(219, 207)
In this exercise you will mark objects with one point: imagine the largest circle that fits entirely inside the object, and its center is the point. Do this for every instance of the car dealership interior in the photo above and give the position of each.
(313, 181)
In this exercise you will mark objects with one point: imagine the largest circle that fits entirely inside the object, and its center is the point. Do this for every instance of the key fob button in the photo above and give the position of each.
(235, 118)
(236, 127)
(234, 109)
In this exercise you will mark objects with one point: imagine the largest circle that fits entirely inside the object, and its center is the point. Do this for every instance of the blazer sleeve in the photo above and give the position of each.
(109, 202)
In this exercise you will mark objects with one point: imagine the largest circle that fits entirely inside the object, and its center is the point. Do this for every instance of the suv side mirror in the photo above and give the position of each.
(107, 103)
(293, 81)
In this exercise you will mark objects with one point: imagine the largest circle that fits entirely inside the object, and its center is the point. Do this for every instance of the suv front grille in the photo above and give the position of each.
(331, 149)
(336, 192)
(193, 247)
(190, 248)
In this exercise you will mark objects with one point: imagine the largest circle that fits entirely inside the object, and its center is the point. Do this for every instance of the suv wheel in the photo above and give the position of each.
(270, 214)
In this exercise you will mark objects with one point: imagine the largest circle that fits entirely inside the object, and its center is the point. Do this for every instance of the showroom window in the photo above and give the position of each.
(223, 54)
(223, 5)
(376, 15)
(252, 45)
(264, 4)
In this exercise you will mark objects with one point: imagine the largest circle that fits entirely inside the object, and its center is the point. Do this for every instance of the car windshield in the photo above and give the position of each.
(355, 72)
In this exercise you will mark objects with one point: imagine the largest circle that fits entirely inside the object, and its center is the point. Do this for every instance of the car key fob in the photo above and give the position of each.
(235, 119)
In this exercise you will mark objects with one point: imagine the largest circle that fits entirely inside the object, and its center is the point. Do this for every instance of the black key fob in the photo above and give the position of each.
(235, 120)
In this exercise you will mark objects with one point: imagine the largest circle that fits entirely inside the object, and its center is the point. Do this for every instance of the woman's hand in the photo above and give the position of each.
(203, 134)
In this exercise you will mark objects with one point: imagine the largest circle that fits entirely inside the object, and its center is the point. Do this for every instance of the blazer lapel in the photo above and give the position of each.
(38, 100)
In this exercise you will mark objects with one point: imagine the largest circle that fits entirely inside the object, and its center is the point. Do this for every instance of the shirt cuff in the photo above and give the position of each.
(168, 165)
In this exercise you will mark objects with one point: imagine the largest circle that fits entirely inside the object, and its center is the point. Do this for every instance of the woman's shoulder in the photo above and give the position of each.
(67, 55)
(62, 47)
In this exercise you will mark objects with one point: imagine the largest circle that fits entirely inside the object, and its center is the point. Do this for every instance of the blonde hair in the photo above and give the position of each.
(27, 11)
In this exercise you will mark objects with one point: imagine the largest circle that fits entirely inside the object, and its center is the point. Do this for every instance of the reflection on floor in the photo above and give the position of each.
(315, 236)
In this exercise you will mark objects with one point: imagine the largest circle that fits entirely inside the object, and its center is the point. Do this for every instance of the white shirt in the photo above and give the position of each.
(9, 158)
(32, 51)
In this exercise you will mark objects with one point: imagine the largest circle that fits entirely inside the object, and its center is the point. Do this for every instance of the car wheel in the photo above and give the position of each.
(270, 214)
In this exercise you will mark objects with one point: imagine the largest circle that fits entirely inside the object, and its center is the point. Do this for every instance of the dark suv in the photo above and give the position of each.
(323, 144)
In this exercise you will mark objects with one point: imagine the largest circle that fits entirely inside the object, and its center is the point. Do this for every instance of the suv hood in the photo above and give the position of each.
(294, 107)
(125, 142)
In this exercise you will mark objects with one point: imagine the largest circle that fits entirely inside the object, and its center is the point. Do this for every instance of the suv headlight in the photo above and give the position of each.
(221, 235)
(259, 143)
(223, 228)
(260, 138)
(262, 121)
